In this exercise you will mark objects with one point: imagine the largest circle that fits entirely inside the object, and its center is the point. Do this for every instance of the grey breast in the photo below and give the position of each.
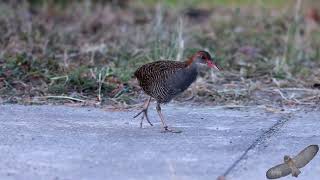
(181, 80)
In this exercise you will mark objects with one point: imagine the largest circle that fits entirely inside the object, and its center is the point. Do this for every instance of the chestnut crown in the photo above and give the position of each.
(203, 57)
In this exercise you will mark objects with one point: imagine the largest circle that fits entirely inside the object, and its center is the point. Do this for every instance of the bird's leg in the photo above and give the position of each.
(145, 112)
(165, 127)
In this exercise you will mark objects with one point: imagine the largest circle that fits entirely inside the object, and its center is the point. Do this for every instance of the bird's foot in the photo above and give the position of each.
(167, 129)
(145, 114)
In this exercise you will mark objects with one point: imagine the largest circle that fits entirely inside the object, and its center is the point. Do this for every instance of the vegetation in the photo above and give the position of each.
(87, 51)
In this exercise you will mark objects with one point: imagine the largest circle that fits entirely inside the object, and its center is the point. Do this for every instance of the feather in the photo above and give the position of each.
(305, 156)
(293, 165)
(278, 171)
(163, 80)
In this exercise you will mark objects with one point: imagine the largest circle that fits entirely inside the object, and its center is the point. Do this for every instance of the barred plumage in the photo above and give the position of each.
(163, 80)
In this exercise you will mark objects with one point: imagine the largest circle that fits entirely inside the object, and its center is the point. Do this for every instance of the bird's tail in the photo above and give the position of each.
(295, 171)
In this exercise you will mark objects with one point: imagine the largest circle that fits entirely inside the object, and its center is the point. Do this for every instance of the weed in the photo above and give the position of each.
(91, 50)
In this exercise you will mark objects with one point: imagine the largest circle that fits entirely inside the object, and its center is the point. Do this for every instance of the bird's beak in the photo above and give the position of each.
(213, 65)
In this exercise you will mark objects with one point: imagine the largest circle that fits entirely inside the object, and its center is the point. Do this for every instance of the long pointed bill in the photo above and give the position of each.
(212, 65)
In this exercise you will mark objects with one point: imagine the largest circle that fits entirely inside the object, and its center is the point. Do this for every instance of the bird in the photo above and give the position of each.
(165, 79)
(292, 165)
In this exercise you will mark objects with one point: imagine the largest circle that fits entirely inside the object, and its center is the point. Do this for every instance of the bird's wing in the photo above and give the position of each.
(159, 70)
(305, 156)
(278, 171)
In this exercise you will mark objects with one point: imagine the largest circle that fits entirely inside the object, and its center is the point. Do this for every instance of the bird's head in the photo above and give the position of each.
(286, 159)
(203, 57)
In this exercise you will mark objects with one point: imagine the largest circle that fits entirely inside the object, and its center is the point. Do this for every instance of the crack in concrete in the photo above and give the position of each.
(265, 135)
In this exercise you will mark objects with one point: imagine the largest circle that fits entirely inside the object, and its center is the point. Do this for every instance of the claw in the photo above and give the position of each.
(166, 129)
(138, 113)
(145, 114)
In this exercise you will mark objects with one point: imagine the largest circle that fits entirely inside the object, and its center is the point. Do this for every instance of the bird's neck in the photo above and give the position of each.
(192, 66)
(191, 61)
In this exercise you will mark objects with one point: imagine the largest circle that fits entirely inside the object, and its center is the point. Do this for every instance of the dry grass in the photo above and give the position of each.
(87, 52)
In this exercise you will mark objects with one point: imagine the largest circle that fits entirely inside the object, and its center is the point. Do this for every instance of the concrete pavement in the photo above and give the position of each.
(59, 142)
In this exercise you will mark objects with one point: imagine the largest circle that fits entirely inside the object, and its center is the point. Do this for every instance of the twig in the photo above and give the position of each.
(64, 97)
(180, 40)
(310, 98)
(101, 79)
(302, 89)
(276, 82)
(281, 94)
(65, 58)
(100, 85)
(297, 10)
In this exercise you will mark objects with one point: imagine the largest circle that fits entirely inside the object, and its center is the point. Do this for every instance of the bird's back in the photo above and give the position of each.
(163, 80)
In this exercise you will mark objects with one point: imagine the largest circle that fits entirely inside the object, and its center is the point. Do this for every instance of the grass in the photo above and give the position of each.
(212, 3)
(89, 51)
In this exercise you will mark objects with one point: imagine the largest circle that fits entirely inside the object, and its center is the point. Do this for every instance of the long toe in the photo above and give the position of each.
(147, 118)
(144, 115)
(138, 113)
(175, 131)
(150, 123)
(170, 130)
